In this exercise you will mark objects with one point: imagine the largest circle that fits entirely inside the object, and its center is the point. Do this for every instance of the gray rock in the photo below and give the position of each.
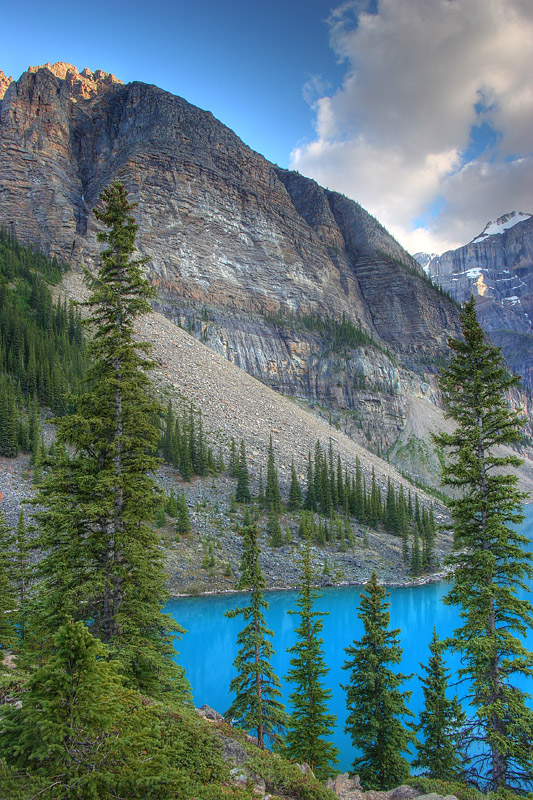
(233, 752)
(402, 793)
(434, 796)
(342, 784)
(209, 713)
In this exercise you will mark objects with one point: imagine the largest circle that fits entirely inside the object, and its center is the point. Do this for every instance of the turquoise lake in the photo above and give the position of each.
(208, 649)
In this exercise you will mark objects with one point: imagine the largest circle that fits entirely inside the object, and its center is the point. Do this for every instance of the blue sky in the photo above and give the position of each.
(246, 62)
(421, 110)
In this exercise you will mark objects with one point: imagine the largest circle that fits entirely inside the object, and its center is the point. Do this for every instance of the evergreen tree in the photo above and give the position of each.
(391, 520)
(233, 463)
(8, 420)
(185, 456)
(160, 519)
(416, 555)
(341, 490)
(261, 489)
(242, 493)
(405, 544)
(102, 560)
(310, 497)
(168, 435)
(8, 632)
(439, 755)
(256, 687)
(490, 556)
(220, 465)
(171, 507)
(20, 574)
(359, 502)
(375, 701)
(309, 723)
(272, 492)
(274, 532)
(375, 511)
(295, 491)
(65, 727)
(37, 458)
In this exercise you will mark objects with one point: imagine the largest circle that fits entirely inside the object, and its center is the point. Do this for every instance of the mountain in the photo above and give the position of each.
(295, 284)
(497, 267)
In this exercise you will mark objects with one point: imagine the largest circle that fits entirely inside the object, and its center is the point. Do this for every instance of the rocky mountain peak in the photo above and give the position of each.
(497, 268)
(4, 83)
(81, 85)
(501, 224)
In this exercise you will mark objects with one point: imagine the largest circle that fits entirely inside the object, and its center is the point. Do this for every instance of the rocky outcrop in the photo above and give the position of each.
(497, 268)
(4, 83)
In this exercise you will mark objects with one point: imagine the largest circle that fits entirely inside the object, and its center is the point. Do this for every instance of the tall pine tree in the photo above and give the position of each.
(8, 632)
(102, 561)
(257, 688)
(242, 492)
(440, 754)
(272, 492)
(310, 723)
(375, 700)
(490, 558)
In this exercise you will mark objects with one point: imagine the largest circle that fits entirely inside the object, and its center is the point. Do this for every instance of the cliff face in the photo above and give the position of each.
(241, 251)
(497, 267)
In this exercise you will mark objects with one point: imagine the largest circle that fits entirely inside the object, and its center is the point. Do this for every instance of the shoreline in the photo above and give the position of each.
(422, 580)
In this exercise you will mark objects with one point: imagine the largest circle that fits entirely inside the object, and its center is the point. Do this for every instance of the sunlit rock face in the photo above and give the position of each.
(239, 250)
(497, 268)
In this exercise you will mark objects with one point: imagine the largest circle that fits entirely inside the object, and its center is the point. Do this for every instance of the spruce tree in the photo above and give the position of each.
(416, 555)
(233, 459)
(257, 689)
(273, 529)
(21, 574)
(168, 434)
(242, 492)
(272, 492)
(490, 558)
(439, 755)
(295, 491)
(375, 701)
(102, 561)
(65, 728)
(310, 724)
(171, 507)
(183, 524)
(8, 603)
(310, 496)
(261, 489)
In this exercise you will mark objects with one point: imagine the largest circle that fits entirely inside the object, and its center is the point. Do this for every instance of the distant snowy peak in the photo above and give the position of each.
(425, 259)
(501, 224)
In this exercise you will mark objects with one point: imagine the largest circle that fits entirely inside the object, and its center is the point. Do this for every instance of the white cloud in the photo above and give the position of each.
(393, 136)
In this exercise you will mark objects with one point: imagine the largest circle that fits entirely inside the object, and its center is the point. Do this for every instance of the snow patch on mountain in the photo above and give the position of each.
(500, 225)
(425, 259)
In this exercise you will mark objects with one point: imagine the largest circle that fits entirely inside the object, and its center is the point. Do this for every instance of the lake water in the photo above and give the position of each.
(208, 649)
